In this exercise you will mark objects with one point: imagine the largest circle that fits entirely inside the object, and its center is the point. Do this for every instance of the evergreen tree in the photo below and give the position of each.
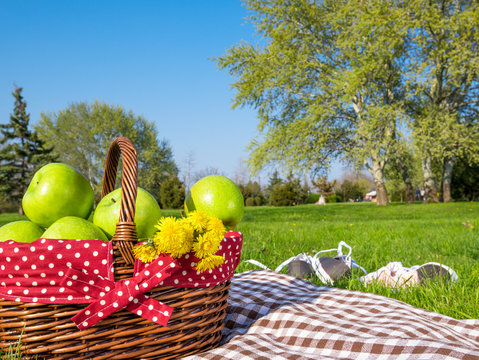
(21, 152)
(172, 193)
(274, 181)
(289, 193)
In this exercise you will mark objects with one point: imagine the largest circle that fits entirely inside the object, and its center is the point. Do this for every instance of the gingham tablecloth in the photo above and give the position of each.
(274, 316)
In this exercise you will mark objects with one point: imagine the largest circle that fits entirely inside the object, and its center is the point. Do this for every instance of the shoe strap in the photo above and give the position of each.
(302, 257)
(257, 263)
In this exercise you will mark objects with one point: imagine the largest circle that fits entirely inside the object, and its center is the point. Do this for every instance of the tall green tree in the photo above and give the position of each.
(172, 193)
(327, 82)
(21, 152)
(445, 84)
(82, 134)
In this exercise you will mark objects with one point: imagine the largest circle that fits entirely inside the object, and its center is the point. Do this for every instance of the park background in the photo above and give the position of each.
(167, 74)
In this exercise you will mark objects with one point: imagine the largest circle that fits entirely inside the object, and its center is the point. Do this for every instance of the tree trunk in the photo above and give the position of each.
(409, 191)
(381, 191)
(407, 181)
(381, 194)
(430, 188)
(447, 177)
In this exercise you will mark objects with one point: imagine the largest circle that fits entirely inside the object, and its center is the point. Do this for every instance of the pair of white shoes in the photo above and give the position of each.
(327, 269)
(330, 269)
(396, 275)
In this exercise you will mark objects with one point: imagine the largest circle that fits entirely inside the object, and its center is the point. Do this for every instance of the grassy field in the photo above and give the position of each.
(411, 234)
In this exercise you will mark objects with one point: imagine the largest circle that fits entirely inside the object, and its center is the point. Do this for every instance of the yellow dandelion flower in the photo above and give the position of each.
(146, 253)
(188, 229)
(216, 226)
(174, 237)
(207, 244)
(199, 220)
(210, 262)
(165, 222)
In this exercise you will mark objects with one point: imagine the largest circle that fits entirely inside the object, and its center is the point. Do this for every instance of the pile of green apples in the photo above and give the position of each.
(59, 205)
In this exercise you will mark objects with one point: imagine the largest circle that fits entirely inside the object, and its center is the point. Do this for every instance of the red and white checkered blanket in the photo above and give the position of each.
(274, 316)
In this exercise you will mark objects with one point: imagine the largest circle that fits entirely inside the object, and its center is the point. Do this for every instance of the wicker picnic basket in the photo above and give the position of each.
(47, 332)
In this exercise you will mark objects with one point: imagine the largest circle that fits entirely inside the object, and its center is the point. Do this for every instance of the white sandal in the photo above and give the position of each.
(327, 269)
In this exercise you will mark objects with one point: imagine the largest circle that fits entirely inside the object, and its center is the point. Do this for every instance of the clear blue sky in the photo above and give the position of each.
(151, 57)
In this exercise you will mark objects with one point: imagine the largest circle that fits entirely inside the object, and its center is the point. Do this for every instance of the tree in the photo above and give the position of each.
(352, 190)
(283, 195)
(402, 168)
(252, 194)
(445, 85)
(289, 193)
(465, 181)
(325, 187)
(22, 152)
(274, 180)
(82, 134)
(327, 83)
(172, 193)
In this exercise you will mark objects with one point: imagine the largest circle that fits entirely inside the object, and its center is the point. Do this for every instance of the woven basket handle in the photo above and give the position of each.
(125, 234)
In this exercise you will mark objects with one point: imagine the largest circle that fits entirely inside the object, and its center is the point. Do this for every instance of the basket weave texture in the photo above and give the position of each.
(47, 331)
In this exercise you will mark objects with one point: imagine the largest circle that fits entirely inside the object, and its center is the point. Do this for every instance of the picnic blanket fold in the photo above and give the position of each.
(275, 316)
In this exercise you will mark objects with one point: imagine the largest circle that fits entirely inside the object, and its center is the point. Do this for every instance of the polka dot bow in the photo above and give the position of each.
(129, 293)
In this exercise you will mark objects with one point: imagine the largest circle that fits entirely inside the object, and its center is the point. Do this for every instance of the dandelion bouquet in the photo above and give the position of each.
(197, 233)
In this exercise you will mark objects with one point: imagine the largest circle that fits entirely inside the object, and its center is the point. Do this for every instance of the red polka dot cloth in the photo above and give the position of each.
(54, 271)
(188, 277)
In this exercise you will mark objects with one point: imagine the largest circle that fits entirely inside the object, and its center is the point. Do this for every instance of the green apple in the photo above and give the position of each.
(217, 196)
(73, 227)
(20, 231)
(57, 190)
(147, 213)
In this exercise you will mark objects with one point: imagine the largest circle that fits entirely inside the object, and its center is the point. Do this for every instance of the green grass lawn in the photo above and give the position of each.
(6, 218)
(411, 234)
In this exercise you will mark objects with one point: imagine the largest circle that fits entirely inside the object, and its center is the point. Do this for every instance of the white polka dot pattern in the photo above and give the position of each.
(189, 277)
(34, 270)
(128, 293)
(81, 271)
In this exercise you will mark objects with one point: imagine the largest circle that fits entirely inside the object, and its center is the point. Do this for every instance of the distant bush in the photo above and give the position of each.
(252, 190)
(312, 198)
(352, 190)
(334, 198)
